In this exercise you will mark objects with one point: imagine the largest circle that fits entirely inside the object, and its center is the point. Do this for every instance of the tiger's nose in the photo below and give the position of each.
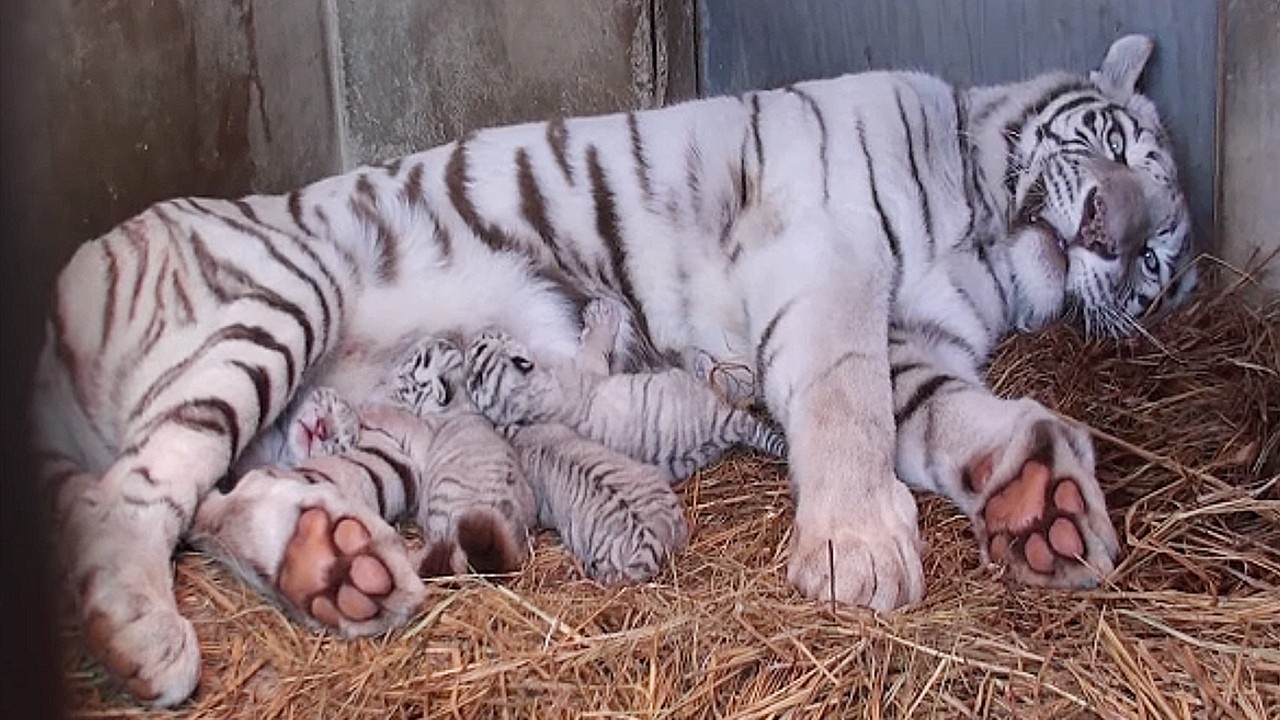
(1092, 234)
(1114, 214)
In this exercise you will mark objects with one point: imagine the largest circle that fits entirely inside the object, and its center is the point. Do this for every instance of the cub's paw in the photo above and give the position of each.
(140, 637)
(622, 546)
(483, 542)
(324, 424)
(348, 574)
(734, 383)
(875, 555)
(603, 315)
(640, 552)
(1040, 510)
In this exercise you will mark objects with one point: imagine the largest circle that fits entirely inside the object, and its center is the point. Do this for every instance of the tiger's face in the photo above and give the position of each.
(427, 380)
(1100, 201)
(505, 381)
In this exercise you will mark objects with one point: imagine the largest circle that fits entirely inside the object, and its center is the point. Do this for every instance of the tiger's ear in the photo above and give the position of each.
(1123, 65)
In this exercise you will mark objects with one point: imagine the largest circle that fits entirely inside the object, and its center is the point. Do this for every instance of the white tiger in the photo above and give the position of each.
(668, 418)
(861, 243)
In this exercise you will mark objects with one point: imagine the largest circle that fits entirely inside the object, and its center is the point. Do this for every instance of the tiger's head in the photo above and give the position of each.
(427, 381)
(1096, 204)
(506, 383)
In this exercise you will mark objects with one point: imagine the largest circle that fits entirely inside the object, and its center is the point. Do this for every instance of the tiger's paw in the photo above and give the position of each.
(141, 639)
(1041, 512)
(341, 573)
(874, 563)
(482, 542)
(603, 315)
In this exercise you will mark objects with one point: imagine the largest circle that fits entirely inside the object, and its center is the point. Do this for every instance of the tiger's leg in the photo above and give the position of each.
(619, 517)
(165, 356)
(820, 335)
(477, 505)
(307, 539)
(119, 530)
(1023, 475)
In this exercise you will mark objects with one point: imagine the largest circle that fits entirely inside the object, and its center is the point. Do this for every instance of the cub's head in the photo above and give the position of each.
(429, 379)
(505, 381)
(1096, 202)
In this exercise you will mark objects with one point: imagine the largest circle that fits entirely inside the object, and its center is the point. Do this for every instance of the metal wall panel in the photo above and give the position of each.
(751, 44)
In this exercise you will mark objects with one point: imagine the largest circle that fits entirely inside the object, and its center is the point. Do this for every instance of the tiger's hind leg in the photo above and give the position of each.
(477, 504)
(619, 517)
(326, 557)
(118, 535)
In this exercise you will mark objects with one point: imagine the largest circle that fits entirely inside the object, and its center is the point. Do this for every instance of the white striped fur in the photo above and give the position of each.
(859, 243)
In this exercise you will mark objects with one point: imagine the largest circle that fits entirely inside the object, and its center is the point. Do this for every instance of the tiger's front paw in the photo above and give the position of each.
(140, 637)
(347, 573)
(870, 559)
(1041, 511)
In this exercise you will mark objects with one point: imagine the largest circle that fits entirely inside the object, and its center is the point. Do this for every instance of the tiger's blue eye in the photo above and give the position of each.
(1150, 262)
(1115, 143)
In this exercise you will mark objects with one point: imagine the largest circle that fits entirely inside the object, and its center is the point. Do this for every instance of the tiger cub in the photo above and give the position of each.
(670, 418)
(475, 504)
(617, 516)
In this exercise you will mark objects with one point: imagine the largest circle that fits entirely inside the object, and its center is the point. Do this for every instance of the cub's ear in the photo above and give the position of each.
(1122, 67)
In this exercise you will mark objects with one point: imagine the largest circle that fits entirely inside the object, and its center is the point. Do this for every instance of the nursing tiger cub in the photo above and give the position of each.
(861, 243)
(668, 418)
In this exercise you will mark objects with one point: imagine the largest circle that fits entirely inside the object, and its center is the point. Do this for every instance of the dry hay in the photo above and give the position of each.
(1188, 449)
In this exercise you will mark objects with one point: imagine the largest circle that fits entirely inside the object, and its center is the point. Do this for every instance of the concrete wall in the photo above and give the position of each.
(126, 102)
(1250, 200)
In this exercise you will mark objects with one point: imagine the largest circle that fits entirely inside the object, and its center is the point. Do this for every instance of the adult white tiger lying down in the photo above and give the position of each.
(860, 242)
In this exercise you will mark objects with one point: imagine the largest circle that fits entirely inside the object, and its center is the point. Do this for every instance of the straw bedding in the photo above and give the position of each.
(1188, 441)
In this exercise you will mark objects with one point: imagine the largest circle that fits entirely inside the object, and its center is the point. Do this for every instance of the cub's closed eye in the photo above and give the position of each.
(521, 364)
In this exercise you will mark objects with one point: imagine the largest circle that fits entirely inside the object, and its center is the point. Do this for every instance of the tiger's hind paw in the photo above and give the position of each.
(338, 573)
(143, 641)
(1042, 513)
(482, 542)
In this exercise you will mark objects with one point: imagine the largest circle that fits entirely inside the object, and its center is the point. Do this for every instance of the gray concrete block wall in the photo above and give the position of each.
(132, 102)
(420, 72)
(128, 103)
(1250, 198)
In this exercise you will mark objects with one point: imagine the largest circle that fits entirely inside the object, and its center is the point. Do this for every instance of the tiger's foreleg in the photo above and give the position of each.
(310, 539)
(1022, 474)
(819, 332)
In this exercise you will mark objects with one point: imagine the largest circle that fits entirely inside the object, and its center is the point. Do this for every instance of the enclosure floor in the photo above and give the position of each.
(1188, 443)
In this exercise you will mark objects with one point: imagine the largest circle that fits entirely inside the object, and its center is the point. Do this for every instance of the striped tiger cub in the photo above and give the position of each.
(858, 244)
(618, 517)
(669, 418)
